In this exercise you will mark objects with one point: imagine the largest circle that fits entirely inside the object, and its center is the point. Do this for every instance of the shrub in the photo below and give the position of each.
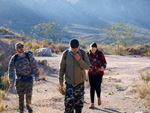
(146, 77)
(143, 88)
(5, 82)
(1, 106)
(2, 95)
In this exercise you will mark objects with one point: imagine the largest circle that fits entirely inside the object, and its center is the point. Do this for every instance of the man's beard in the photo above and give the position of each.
(21, 51)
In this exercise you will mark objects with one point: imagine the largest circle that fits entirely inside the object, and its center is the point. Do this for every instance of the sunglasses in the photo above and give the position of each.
(19, 47)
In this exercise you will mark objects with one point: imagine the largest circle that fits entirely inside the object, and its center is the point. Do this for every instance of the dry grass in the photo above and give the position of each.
(34, 44)
(5, 82)
(2, 95)
(142, 89)
(112, 50)
(1, 105)
(146, 77)
(44, 107)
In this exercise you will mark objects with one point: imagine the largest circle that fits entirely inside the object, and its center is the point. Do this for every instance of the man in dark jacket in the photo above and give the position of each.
(23, 66)
(73, 64)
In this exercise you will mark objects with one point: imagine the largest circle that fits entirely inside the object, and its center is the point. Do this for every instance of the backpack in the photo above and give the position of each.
(26, 54)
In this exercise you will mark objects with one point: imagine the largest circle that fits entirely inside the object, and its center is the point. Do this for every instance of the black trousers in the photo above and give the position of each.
(95, 85)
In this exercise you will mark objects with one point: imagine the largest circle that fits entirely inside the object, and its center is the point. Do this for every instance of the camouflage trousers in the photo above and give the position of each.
(74, 98)
(24, 88)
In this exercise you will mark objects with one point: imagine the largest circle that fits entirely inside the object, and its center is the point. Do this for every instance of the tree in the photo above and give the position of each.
(119, 33)
(50, 31)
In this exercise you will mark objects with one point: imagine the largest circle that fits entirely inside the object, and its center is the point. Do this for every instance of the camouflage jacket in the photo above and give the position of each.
(22, 67)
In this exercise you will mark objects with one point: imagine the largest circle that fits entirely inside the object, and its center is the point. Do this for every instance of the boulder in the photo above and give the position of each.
(44, 62)
(43, 52)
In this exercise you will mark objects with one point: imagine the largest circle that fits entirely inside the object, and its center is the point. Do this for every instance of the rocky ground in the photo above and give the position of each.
(122, 73)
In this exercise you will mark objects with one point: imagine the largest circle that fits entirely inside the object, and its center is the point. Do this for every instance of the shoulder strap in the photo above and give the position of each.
(66, 52)
(27, 55)
(100, 54)
(82, 54)
(16, 56)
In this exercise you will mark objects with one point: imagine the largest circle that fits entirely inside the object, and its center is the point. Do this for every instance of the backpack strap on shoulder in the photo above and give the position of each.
(82, 53)
(100, 54)
(27, 55)
(65, 53)
(15, 59)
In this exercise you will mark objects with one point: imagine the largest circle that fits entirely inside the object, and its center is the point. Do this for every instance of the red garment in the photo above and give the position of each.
(97, 60)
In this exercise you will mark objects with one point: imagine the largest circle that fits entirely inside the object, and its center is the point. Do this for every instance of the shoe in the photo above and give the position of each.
(99, 101)
(29, 109)
(91, 106)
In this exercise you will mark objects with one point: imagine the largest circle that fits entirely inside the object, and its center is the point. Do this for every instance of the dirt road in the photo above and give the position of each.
(122, 73)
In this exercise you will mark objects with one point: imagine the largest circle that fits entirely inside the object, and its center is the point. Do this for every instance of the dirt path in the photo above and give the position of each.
(121, 74)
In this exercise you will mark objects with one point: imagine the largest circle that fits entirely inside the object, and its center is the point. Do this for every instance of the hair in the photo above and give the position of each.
(93, 44)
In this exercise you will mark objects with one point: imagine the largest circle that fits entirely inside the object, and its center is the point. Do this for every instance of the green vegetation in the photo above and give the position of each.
(47, 31)
(120, 34)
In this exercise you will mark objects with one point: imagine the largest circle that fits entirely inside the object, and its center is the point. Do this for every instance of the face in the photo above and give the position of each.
(20, 49)
(74, 50)
(93, 49)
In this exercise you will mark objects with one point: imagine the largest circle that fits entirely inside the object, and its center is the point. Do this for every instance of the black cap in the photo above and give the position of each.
(74, 43)
(94, 45)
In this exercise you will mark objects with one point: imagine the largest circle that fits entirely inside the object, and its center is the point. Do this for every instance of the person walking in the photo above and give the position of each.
(95, 72)
(73, 64)
(23, 66)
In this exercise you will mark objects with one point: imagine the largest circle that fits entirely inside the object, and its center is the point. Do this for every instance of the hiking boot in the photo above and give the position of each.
(91, 106)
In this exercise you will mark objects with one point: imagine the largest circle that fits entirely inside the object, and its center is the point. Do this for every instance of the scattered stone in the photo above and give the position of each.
(43, 52)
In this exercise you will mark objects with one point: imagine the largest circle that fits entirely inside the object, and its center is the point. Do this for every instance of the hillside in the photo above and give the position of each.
(81, 18)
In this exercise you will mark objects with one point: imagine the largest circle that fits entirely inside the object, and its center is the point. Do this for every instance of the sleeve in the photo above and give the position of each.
(11, 69)
(62, 67)
(104, 63)
(34, 66)
(84, 63)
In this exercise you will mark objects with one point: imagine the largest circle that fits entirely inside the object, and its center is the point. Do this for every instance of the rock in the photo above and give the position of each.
(44, 62)
(6, 51)
(43, 52)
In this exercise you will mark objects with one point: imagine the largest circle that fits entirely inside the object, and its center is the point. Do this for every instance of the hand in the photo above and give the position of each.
(61, 84)
(77, 57)
(86, 79)
(91, 65)
(101, 69)
(36, 80)
(10, 83)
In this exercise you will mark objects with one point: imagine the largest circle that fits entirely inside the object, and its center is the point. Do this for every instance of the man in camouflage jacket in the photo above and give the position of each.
(73, 64)
(23, 66)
